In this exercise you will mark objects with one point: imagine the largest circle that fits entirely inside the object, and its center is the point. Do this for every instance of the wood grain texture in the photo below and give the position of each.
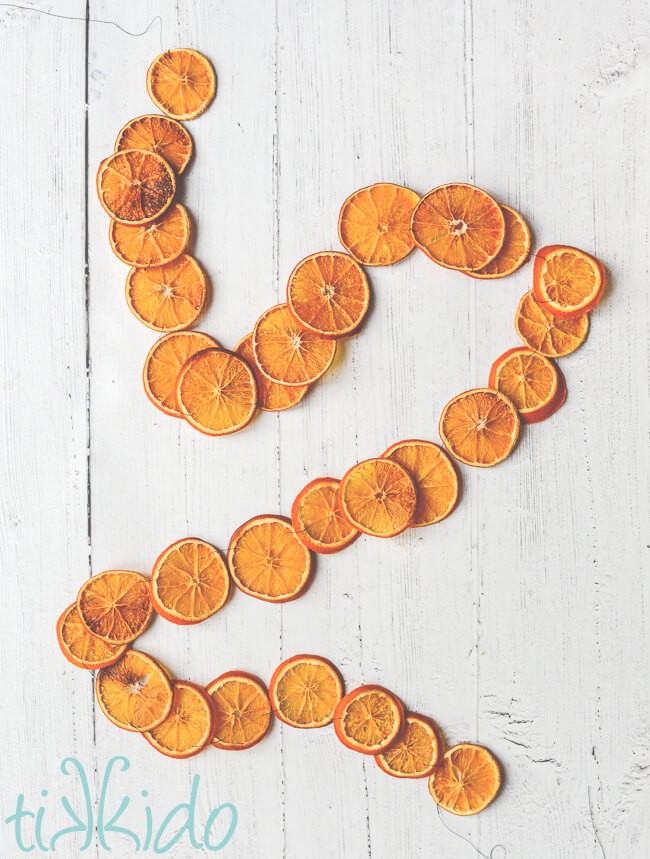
(520, 622)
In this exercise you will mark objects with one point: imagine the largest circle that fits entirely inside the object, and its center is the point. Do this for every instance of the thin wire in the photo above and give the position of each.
(489, 855)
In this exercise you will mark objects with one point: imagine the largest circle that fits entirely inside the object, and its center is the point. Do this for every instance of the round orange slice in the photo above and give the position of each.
(547, 334)
(514, 250)
(531, 381)
(288, 353)
(216, 392)
(267, 560)
(328, 293)
(164, 362)
(242, 710)
(82, 648)
(434, 477)
(305, 690)
(158, 134)
(189, 582)
(415, 753)
(368, 719)
(459, 226)
(567, 282)
(189, 726)
(135, 693)
(135, 186)
(181, 83)
(167, 297)
(115, 605)
(271, 396)
(155, 243)
(375, 223)
(466, 781)
(378, 497)
(479, 427)
(318, 520)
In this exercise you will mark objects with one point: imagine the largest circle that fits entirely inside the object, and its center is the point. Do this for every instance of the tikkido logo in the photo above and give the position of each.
(30, 827)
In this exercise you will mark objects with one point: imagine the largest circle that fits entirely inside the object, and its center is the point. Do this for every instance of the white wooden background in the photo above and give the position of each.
(522, 621)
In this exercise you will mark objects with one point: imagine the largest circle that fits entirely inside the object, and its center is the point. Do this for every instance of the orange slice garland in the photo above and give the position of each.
(134, 693)
(242, 710)
(415, 753)
(164, 362)
(531, 381)
(567, 282)
(181, 83)
(549, 335)
(368, 719)
(189, 726)
(434, 477)
(158, 134)
(318, 519)
(167, 297)
(155, 243)
(81, 647)
(514, 250)
(378, 497)
(267, 560)
(375, 223)
(271, 396)
(479, 427)
(305, 691)
(189, 582)
(466, 781)
(115, 605)
(135, 186)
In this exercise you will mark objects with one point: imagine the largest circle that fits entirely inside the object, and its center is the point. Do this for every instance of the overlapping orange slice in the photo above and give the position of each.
(378, 497)
(305, 691)
(318, 519)
(189, 725)
(135, 186)
(531, 381)
(479, 427)
(549, 335)
(368, 719)
(154, 243)
(158, 134)
(242, 710)
(164, 362)
(434, 477)
(168, 297)
(566, 281)
(115, 605)
(271, 396)
(415, 752)
(81, 647)
(135, 693)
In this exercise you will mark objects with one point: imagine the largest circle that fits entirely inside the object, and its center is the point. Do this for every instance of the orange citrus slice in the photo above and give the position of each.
(115, 605)
(318, 520)
(189, 582)
(531, 381)
(158, 134)
(378, 497)
(164, 362)
(135, 186)
(155, 243)
(167, 297)
(286, 352)
(434, 477)
(328, 293)
(547, 334)
(459, 226)
(305, 690)
(181, 83)
(242, 710)
(135, 693)
(567, 282)
(368, 719)
(271, 397)
(81, 647)
(267, 560)
(479, 427)
(416, 751)
(514, 250)
(216, 392)
(189, 726)
(466, 781)
(375, 223)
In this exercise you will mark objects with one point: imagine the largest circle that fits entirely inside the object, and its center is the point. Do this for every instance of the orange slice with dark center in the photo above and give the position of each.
(115, 605)
(318, 519)
(305, 691)
(135, 186)
(81, 647)
(135, 693)
(378, 497)
(434, 477)
(531, 381)
(242, 710)
(368, 719)
(466, 781)
(189, 726)
(479, 427)
(158, 134)
(167, 297)
(181, 83)
(155, 243)
(514, 250)
(566, 281)
(164, 362)
(415, 753)
(549, 335)
(271, 396)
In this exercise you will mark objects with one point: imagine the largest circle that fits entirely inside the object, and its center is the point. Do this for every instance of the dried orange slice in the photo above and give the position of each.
(466, 781)
(378, 497)
(189, 582)
(531, 381)
(267, 560)
(286, 352)
(459, 226)
(82, 648)
(189, 726)
(547, 334)
(158, 134)
(318, 520)
(368, 719)
(242, 710)
(416, 751)
(375, 223)
(135, 186)
(135, 693)
(328, 293)
(567, 282)
(155, 243)
(165, 361)
(479, 427)
(271, 397)
(434, 477)
(167, 297)
(514, 250)
(216, 392)
(115, 605)
(181, 83)
(305, 690)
